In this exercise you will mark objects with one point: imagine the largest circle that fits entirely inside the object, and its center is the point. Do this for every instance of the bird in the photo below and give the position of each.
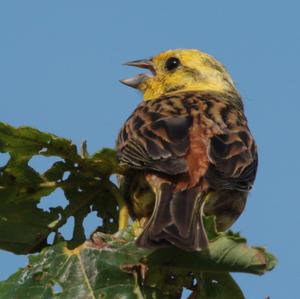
(186, 149)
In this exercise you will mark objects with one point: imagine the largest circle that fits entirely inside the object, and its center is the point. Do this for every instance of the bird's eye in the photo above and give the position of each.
(172, 63)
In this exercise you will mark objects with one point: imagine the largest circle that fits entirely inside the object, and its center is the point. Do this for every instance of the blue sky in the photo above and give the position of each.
(60, 62)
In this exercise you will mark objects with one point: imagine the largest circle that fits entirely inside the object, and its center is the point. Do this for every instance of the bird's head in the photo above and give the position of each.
(180, 70)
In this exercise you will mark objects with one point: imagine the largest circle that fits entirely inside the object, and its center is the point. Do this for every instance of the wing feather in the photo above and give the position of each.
(157, 137)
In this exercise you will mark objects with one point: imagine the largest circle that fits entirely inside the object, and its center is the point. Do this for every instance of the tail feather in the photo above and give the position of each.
(176, 219)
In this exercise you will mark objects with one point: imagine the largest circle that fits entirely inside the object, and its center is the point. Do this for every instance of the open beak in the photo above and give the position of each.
(136, 81)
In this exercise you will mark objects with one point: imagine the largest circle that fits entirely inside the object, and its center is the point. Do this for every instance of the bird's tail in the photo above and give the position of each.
(176, 219)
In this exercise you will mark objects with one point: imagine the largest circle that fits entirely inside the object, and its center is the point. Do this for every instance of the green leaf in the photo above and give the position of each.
(206, 272)
(108, 155)
(111, 266)
(25, 142)
(24, 227)
(93, 270)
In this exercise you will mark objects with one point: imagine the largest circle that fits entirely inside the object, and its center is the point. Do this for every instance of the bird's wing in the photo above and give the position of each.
(155, 140)
(202, 135)
(233, 158)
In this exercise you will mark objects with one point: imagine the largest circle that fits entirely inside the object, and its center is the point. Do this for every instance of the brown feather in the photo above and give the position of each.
(186, 146)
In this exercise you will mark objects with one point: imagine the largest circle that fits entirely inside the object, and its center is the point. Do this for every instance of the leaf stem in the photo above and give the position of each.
(124, 211)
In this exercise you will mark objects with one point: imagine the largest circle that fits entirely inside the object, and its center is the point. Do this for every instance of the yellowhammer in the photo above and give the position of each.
(187, 148)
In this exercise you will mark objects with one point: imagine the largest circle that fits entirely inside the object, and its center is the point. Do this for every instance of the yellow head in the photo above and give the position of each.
(180, 70)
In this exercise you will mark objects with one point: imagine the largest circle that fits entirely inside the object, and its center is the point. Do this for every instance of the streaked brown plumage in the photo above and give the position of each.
(187, 152)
